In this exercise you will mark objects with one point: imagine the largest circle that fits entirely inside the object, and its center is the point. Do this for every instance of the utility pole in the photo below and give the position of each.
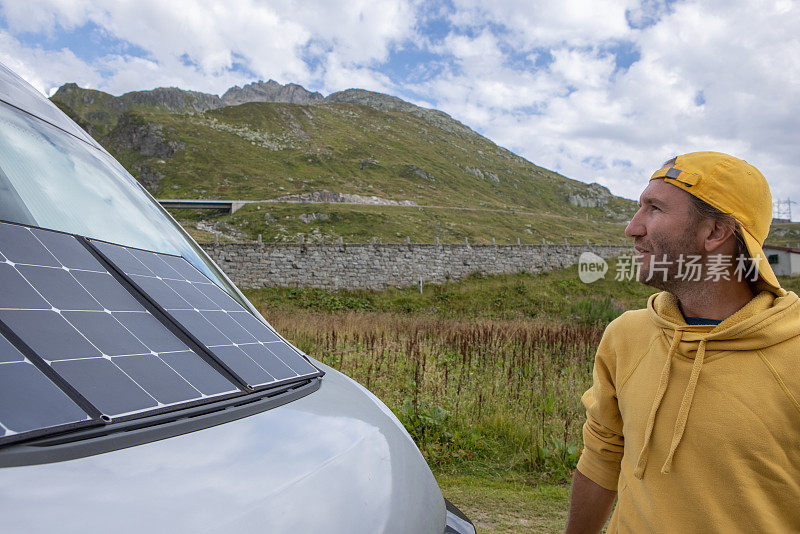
(782, 209)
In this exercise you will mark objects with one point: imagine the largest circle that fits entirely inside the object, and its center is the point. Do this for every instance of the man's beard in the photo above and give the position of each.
(667, 253)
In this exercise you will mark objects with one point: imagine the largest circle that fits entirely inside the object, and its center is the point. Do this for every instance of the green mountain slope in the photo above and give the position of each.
(182, 144)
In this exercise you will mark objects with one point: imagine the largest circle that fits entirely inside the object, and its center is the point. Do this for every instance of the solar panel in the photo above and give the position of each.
(71, 312)
(246, 346)
(29, 400)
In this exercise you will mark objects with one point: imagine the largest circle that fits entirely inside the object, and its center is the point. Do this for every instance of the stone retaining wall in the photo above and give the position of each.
(377, 266)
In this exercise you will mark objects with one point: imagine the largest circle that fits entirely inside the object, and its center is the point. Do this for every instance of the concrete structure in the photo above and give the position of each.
(229, 206)
(785, 261)
(376, 266)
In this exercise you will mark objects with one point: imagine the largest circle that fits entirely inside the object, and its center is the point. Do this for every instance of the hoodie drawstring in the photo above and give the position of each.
(686, 405)
(683, 412)
(662, 388)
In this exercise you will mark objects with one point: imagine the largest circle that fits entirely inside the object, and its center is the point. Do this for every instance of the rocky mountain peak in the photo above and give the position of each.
(270, 91)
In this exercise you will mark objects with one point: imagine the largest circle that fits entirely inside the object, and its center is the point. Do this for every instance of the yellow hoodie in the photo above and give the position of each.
(698, 427)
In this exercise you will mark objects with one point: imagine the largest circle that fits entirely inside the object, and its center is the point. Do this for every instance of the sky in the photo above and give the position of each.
(599, 90)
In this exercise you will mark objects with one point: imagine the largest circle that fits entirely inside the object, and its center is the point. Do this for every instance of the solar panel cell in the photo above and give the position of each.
(162, 293)
(191, 294)
(105, 385)
(49, 334)
(107, 291)
(156, 265)
(198, 326)
(242, 364)
(30, 401)
(62, 246)
(222, 300)
(200, 375)
(19, 246)
(157, 378)
(146, 327)
(9, 353)
(267, 361)
(105, 332)
(59, 287)
(290, 358)
(235, 332)
(122, 258)
(17, 292)
(254, 326)
(186, 270)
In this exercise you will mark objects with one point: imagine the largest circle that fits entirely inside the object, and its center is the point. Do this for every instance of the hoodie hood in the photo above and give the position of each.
(768, 319)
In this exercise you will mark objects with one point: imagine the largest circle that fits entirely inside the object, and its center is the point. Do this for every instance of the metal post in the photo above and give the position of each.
(565, 240)
(437, 239)
(216, 239)
(518, 242)
(420, 285)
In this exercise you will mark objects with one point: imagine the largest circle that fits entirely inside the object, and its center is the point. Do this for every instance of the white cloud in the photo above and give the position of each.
(40, 67)
(546, 23)
(721, 77)
(203, 41)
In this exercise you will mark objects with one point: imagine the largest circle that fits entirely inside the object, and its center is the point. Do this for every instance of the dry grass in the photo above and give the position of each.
(479, 396)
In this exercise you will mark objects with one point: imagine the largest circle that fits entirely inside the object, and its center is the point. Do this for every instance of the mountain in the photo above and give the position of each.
(355, 164)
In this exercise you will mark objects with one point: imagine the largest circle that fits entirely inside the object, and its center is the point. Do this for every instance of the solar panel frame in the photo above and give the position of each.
(134, 269)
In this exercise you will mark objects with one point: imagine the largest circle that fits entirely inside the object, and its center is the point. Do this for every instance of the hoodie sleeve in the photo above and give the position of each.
(602, 433)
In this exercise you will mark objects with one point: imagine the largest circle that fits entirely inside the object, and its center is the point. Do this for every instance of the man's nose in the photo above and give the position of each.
(635, 228)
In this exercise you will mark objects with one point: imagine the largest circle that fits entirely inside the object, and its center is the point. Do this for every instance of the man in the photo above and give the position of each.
(693, 418)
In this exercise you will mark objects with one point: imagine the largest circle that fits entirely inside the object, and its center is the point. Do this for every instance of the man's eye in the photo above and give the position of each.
(655, 208)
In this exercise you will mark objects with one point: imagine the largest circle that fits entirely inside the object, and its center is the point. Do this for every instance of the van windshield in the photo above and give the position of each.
(52, 180)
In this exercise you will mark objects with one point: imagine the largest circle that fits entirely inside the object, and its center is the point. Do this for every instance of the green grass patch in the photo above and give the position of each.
(508, 506)
(556, 295)
(318, 223)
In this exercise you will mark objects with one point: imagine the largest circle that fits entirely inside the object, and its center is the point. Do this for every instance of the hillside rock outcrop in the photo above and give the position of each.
(270, 91)
(146, 138)
(342, 198)
(594, 196)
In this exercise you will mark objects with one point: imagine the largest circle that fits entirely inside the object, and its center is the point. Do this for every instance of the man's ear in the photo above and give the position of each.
(716, 235)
